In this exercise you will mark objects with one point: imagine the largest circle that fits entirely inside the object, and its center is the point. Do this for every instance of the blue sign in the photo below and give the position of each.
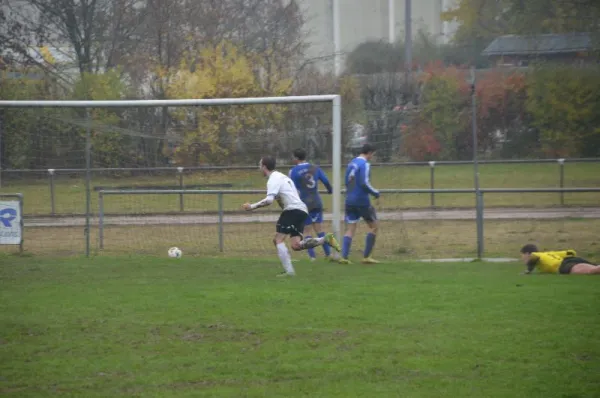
(10, 223)
(7, 216)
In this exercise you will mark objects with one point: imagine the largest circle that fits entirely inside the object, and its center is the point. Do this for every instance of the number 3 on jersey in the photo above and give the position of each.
(309, 181)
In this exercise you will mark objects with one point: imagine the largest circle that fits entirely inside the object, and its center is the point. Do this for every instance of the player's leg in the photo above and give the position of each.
(351, 218)
(310, 224)
(297, 222)
(585, 269)
(282, 230)
(317, 223)
(370, 217)
(578, 266)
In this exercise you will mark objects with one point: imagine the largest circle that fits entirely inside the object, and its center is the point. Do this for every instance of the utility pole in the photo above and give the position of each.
(408, 45)
(337, 48)
(391, 21)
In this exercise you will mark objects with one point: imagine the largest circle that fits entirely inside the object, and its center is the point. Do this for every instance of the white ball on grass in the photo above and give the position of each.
(175, 252)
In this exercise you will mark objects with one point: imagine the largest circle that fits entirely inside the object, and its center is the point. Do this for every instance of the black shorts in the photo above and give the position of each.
(568, 263)
(291, 222)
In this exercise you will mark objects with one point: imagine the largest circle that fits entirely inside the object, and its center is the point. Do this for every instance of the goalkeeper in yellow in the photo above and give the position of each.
(560, 262)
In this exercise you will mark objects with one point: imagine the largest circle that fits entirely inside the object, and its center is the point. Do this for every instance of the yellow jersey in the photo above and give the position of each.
(550, 262)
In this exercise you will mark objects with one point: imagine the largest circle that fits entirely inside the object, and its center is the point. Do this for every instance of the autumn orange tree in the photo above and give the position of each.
(442, 127)
(441, 121)
(500, 107)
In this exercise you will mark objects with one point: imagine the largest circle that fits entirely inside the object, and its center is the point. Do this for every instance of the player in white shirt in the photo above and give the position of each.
(291, 221)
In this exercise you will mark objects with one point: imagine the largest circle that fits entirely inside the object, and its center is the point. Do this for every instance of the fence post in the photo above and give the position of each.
(432, 182)
(101, 219)
(479, 222)
(180, 172)
(51, 180)
(21, 209)
(561, 167)
(220, 201)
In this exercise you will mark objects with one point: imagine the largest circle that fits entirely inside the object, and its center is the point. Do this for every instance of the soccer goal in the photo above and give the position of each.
(62, 154)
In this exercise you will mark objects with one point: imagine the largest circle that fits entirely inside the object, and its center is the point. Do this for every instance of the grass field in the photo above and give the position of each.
(397, 239)
(154, 327)
(70, 192)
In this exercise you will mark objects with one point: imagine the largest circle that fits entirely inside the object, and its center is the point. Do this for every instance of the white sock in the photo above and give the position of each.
(309, 243)
(286, 260)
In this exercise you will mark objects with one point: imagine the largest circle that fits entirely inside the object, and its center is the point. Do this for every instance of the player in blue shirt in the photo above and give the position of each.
(306, 177)
(358, 203)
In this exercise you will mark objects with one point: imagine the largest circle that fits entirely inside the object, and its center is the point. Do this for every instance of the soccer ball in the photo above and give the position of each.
(175, 252)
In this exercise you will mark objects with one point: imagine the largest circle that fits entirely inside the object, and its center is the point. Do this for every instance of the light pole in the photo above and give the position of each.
(391, 21)
(408, 45)
(337, 48)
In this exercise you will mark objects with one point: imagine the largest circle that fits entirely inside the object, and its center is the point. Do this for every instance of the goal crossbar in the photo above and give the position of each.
(335, 100)
(172, 102)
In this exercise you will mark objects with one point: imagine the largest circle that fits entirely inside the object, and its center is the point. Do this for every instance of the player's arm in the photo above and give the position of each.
(564, 253)
(531, 264)
(295, 178)
(349, 175)
(272, 191)
(365, 183)
(323, 178)
(263, 203)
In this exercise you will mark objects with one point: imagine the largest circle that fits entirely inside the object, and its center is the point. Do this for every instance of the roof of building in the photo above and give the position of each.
(539, 44)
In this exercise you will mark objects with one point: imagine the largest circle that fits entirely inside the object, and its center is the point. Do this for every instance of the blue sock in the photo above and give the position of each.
(369, 243)
(326, 247)
(346, 246)
(311, 251)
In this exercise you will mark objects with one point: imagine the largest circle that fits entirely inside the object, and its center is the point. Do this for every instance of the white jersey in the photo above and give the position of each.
(282, 189)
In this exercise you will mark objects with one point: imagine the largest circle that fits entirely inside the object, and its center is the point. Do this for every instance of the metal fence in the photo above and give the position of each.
(51, 175)
(220, 220)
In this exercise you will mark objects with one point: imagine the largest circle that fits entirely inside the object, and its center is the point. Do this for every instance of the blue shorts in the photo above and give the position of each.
(355, 213)
(314, 216)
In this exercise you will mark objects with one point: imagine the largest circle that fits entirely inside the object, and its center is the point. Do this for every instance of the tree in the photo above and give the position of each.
(480, 21)
(95, 33)
(501, 98)
(312, 122)
(373, 57)
(380, 95)
(442, 128)
(564, 103)
(419, 141)
(267, 33)
(35, 137)
(214, 134)
(111, 144)
(444, 105)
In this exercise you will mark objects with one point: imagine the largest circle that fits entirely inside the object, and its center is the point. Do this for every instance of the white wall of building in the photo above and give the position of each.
(363, 20)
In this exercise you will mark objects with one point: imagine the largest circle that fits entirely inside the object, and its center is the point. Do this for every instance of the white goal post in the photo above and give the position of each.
(335, 100)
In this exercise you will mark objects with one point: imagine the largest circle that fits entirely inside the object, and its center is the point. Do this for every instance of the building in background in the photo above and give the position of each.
(566, 48)
(365, 20)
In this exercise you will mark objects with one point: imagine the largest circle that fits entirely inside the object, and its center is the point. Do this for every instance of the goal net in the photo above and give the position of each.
(212, 146)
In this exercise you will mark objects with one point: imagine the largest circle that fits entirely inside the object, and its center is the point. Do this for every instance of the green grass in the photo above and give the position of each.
(70, 192)
(154, 327)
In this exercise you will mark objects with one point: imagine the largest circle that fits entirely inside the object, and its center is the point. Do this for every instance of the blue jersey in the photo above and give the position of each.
(358, 187)
(306, 177)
